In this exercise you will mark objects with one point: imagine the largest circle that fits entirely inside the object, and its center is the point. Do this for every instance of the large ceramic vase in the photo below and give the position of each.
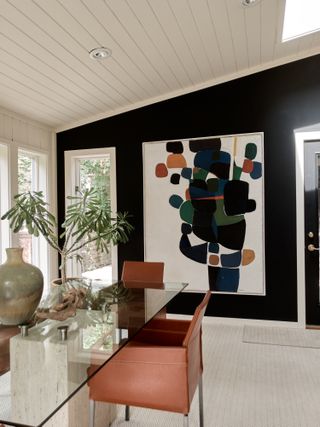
(21, 286)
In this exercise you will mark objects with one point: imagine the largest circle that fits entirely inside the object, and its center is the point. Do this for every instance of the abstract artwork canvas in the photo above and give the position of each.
(203, 211)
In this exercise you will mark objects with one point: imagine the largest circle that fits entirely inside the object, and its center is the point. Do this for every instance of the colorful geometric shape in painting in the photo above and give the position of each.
(213, 248)
(214, 260)
(175, 178)
(203, 159)
(257, 170)
(221, 218)
(213, 185)
(223, 279)
(231, 260)
(186, 228)
(237, 171)
(248, 256)
(247, 166)
(186, 173)
(161, 170)
(236, 198)
(220, 170)
(251, 151)
(232, 236)
(175, 201)
(186, 212)
(197, 253)
(200, 174)
(196, 145)
(174, 147)
(176, 161)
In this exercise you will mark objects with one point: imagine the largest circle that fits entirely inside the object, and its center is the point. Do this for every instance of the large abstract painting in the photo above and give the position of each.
(203, 211)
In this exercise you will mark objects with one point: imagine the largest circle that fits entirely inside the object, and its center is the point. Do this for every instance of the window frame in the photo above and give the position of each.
(46, 259)
(70, 167)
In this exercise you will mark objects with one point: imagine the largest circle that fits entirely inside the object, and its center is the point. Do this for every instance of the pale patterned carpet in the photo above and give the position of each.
(247, 385)
(281, 336)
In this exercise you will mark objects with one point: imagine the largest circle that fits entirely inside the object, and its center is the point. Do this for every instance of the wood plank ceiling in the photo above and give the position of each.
(160, 49)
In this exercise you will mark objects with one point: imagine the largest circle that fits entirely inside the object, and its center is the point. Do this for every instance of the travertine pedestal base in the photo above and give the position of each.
(44, 371)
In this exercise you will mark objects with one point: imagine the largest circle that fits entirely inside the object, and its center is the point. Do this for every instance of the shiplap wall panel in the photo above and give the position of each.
(108, 84)
(55, 77)
(136, 31)
(42, 43)
(89, 40)
(237, 22)
(201, 13)
(26, 92)
(253, 25)
(189, 29)
(105, 79)
(37, 50)
(52, 60)
(167, 18)
(119, 32)
(220, 20)
(24, 132)
(160, 49)
(162, 43)
(15, 101)
(305, 43)
(32, 86)
(269, 12)
(6, 126)
(95, 17)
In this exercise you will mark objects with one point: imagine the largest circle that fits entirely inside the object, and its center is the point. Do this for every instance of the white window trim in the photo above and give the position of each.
(47, 256)
(70, 158)
(4, 198)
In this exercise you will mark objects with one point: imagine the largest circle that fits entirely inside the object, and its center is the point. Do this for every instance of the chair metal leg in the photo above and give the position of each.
(92, 407)
(127, 416)
(200, 387)
(185, 420)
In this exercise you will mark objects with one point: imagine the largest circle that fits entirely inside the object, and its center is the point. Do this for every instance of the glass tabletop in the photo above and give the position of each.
(41, 371)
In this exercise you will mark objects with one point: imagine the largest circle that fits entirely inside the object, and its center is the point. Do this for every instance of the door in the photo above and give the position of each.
(312, 216)
(85, 169)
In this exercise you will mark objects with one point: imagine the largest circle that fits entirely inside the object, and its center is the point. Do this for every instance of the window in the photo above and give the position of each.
(300, 18)
(85, 169)
(4, 200)
(32, 176)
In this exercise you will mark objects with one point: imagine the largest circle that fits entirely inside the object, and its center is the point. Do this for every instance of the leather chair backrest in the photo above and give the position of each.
(193, 344)
(142, 271)
(195, 325)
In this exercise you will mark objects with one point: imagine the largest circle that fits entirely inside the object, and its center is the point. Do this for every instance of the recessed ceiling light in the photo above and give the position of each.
(249, 2)
(99, 53)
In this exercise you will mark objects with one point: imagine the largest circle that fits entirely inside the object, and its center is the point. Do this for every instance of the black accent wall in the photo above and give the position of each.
(276, 102)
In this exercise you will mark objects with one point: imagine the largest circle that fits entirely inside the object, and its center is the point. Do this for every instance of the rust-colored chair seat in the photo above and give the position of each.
(160, 369)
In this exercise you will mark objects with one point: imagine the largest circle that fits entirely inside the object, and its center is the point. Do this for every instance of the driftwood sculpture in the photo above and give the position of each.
(71, 300)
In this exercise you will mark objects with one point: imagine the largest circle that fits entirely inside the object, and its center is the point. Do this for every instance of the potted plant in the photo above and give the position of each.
(88, 219)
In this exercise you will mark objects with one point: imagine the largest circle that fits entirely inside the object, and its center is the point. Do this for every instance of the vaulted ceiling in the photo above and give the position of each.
(160, 49)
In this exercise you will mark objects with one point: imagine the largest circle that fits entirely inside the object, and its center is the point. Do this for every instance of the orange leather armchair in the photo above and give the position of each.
(160, 369)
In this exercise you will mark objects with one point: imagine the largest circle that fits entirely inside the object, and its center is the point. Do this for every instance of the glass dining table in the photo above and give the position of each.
(48, 364)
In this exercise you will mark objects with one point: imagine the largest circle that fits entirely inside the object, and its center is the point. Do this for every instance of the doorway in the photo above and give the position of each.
(311, 229)
(85, 169)
(304, 136)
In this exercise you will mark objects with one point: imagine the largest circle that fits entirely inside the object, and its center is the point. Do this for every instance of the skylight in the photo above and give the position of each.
(301, 17)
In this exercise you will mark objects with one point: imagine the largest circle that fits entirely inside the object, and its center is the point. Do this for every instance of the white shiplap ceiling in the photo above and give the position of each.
(160, 49)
